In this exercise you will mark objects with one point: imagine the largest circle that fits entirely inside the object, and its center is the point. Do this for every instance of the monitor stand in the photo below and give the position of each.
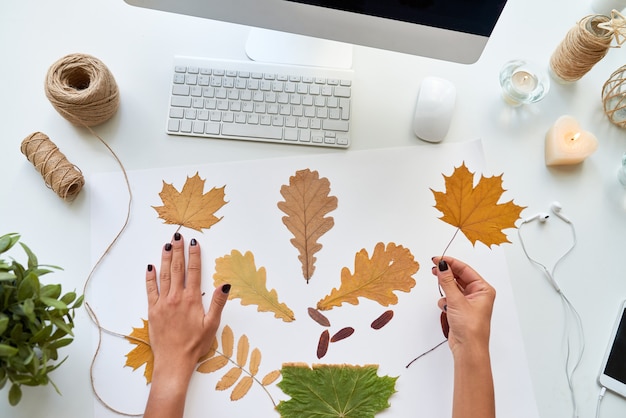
(266, 45)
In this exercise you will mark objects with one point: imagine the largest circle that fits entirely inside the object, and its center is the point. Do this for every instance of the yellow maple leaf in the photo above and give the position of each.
(249, 284)
(306, 205)
(390, 269)
(475, 210)
(142, 354)
(190, 207)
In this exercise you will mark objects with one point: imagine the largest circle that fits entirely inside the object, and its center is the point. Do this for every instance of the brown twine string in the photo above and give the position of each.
(63, 177)
(82, 89)
(583, 47)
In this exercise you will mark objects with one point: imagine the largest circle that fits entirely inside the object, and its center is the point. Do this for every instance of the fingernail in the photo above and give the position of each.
(150, 267)
(445, 308)
(177, 236)
(226, 288)
(193, 242)
(443, 266)
(168, 246)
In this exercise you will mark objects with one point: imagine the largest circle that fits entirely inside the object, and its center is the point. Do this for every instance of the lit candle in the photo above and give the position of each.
(567, 143)
(524, 82)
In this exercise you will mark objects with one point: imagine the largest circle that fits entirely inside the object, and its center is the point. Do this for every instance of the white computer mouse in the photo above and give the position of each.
(434, 109)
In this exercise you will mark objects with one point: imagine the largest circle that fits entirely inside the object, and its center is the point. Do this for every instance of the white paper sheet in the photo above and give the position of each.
(384, 196)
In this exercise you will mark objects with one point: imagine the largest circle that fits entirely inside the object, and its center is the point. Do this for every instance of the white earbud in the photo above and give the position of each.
(541, 216)
(556, 209)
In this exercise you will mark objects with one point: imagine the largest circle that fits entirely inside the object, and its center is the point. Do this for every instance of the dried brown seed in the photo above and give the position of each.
(341, 334)
(318, 317)
(322, 345)
(444, 324)
(382, 320)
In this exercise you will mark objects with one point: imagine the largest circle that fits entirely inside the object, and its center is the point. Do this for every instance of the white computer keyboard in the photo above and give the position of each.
(254, 101)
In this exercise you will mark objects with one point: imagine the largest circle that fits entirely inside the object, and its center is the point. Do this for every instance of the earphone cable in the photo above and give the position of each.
(567, 307)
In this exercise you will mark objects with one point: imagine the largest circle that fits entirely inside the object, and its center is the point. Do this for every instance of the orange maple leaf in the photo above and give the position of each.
(306, 205)
(475, 210)
(190, 207)
(390, 269)
(142, 354)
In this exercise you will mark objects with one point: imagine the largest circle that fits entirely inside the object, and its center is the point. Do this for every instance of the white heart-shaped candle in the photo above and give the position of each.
(567, 143)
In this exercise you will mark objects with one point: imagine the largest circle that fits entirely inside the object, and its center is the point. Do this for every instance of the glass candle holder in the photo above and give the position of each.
(523, 83)
(621, 173)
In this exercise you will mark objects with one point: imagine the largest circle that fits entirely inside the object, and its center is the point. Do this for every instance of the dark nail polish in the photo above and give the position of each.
(445, 308)
(168, 246)
(193, 242)
(226, 288)
(177, 236)
(443, 266)
(150, 267)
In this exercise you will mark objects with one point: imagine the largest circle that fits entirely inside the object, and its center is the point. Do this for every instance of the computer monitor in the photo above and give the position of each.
(450, 30)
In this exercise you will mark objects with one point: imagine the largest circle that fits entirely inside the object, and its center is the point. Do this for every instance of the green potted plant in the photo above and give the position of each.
(36, 320)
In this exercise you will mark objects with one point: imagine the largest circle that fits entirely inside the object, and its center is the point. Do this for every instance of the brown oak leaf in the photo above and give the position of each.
(475, 210)
(306, 204)
(249, 284)
(390, 269)
(190, 207)
(142, 353)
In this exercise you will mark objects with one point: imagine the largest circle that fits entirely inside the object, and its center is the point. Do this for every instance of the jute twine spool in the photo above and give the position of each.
(63, 177)
(614, 97)
(82, 89)
(583, 47)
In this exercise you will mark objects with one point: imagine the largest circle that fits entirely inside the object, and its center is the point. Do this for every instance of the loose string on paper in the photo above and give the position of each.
(586, 44)
(83, 90)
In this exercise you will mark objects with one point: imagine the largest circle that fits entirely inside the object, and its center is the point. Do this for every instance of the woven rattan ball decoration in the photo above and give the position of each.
(614, 97)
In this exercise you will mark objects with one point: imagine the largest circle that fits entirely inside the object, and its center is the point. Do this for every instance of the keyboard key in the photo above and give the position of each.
(260, 131)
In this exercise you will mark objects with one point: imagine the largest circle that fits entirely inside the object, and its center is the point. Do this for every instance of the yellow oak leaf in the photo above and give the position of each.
(306, 205)
(190, 207)
(249, 284)
(390, 269)
(475, 210)
(142, 354)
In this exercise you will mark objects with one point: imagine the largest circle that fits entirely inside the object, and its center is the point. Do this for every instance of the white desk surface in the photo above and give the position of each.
(138, 46)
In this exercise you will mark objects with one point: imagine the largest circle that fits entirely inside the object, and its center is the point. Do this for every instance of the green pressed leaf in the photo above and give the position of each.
(341, 391)
(7, 350)
(15, 394)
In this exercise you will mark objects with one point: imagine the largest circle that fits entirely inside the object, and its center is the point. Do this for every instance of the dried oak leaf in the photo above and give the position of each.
(475, 210)
(249, 284)
(390, 269)
(306, 204)
(325, 390)
(142, 353)
(190, 207)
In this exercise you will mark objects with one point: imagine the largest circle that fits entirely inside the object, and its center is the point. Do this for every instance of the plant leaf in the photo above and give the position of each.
(242, 388)
(390, 269)
(142, 353)
(228, 341)
(270, 378)
(190, 207)
(229, 378)
(306, 204)
(213, 364)
(475, 210)
(249, 284)
(255, 361)
(334, 391)
(243, 347)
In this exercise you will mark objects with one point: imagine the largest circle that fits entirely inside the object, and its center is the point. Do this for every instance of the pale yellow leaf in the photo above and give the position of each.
(242, 388)
(142, 353)
(211, 351)
(228, 341)
(243, 346)
(255, 361)
(249, 284)
(229, 378)
(213, 364)
(270, 377)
